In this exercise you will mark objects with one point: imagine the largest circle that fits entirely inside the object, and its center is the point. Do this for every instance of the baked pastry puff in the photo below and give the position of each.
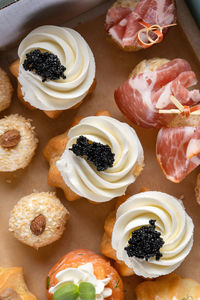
(55, 69)
(94, 159)
(149, 234)
(13, 286)
(83, 275)
(170, 287)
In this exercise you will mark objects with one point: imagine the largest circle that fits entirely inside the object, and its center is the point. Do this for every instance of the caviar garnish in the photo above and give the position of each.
(145, 242)
(45, 64)
(100, 155)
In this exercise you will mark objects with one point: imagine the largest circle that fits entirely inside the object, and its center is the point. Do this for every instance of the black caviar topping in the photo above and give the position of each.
(145, 242)
(45, 64)
(100, 155)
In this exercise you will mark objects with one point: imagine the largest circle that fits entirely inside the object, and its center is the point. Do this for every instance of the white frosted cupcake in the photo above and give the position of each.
(101, 156)
(152, 234)
(56, 68)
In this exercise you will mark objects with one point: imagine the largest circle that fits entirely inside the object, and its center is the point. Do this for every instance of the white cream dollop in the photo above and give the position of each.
(73, 53)
(175, 226)
(84, 273)
(82, 176)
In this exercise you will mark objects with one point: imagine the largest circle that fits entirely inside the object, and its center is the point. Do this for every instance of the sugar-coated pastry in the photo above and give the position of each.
(13, 286)
(170, 287)
(95, 159)
(38, 219)
(56, 69)
(127, 22)
(18, 143)
(6, 90)
(149, 89)
(82, 274)
(150, 232)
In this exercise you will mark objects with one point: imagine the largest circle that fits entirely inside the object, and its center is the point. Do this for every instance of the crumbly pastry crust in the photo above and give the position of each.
(12, 159)
(102, 269)
(53, 114)
(28, 208)
(6, 90)
(53, 151)
(13, 286)
(106, 246)
(170, 287)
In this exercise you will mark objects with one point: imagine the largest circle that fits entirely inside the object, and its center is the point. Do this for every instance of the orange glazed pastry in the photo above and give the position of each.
(170, 287)
(94, 159)
(55, 70)
(12, 285)
(84, 275)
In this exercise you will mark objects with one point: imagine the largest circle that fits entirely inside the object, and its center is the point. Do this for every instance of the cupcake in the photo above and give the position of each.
(95, 159)
(169, 287)
(82, 274)
(18, 143)
(6, 90)
(150, 233)
(38, 219)
(138, 24)
(147, 97)
(55, 71)
(13, 286)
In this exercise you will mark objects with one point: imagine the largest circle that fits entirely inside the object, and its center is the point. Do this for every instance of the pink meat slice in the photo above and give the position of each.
(171, 150)
(139, 96)
(122, 20)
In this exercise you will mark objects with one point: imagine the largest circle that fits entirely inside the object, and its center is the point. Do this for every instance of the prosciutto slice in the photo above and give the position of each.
(178, 151)
(122, 22)
(141, 96)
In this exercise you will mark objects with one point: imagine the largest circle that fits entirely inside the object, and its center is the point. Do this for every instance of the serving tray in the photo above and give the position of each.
(85, 227)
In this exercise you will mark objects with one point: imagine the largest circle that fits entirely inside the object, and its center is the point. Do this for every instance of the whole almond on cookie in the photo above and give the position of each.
(38, 225)
(10, 138)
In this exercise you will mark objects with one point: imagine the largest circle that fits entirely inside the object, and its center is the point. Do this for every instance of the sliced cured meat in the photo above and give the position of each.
(141, 96)
(178, 151)
(122, 23)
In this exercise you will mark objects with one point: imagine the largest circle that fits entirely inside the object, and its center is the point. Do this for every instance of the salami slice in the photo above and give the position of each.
(122, 23)
(178, 151)
(141, 96)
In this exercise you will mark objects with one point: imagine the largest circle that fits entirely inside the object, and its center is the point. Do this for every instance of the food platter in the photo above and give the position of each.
(85, 227)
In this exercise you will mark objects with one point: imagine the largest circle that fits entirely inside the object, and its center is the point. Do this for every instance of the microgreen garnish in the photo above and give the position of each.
(47, 282)
(117, 283)
(187, 298)
(71, 291)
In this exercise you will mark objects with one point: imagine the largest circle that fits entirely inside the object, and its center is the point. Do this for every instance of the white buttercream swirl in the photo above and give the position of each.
(73, 53)
(84, 273)
(172, 221)
(82, 176)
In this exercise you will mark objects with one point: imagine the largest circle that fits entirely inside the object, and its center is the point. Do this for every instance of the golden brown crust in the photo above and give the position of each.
(6, 90)
(168, 287)
(53, 114)
(13, 279)
(52, 152)
(102, 269)
(106, 246)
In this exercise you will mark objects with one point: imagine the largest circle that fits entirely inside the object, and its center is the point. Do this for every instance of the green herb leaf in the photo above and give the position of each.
(117, 283)
(87, 291)
(47, 282)
(187, 298)
(68, 291)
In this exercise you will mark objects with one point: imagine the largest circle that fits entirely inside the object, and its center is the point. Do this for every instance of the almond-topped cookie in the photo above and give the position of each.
(55, 70)
(18, 143)
(38, 219)
(94, 159)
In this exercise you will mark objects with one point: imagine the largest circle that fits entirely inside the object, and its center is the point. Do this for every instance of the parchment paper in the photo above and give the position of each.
(85, 227)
